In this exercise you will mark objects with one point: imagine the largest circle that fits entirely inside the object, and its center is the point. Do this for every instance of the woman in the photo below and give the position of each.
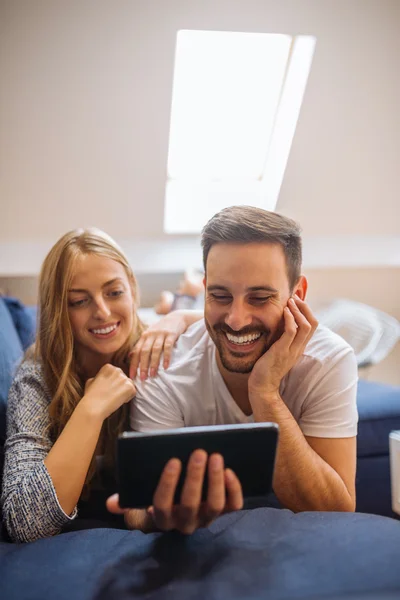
(68, 404)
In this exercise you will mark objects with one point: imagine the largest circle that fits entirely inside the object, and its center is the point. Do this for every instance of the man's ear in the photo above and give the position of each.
(204, 281)
(300, 289)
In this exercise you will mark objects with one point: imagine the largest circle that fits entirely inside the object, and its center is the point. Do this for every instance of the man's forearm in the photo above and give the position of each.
(302, 479)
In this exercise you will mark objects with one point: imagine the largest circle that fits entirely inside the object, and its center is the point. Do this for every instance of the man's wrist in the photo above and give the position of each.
(265, 396)
(265, 404)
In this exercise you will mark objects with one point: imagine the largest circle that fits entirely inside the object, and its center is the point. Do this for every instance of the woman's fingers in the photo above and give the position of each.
(147, 353)
(168, 346)
(135, 358)
(162, 344)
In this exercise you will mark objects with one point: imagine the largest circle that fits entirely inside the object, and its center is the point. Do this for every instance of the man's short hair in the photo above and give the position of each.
(247, 224)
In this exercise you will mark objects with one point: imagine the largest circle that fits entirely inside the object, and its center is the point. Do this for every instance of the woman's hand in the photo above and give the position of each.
(224, 495)
(106, 392)
(157, 339)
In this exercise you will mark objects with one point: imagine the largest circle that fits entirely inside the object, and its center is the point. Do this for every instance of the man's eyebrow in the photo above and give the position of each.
(263, 288)
(76, 290)
(255, 288)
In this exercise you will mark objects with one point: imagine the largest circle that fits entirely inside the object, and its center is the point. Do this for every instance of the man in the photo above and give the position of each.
(260, 355)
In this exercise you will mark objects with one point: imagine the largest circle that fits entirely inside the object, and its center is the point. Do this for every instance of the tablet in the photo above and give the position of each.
(248, 449)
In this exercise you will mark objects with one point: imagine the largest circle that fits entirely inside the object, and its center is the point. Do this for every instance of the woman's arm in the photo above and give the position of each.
(69, 459)
(43, 482)
(160, 338)
(29, 501)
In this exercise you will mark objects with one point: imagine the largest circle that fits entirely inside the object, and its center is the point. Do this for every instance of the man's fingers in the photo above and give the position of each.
(163, 499)
(306, 311)
(138, 518)
(187, 514)
(289, 332)
(233, 491)
(216, 487)
(305, 327)
(112, 504)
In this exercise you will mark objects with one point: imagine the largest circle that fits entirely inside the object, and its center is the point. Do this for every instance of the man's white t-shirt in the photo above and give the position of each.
(320, 390)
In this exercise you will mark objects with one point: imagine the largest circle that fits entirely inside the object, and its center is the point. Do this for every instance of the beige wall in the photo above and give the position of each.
(85, 101)
(84, 117)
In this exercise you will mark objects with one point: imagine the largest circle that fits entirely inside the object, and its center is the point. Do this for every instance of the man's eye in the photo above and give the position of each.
(221, 298)
(260, 300)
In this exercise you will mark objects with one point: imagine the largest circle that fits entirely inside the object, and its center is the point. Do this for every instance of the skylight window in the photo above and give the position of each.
(235, 104)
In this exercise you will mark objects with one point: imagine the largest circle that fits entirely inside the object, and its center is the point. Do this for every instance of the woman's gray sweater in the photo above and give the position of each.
(29, 501)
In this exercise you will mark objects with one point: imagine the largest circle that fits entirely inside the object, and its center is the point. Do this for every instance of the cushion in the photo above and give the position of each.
(256, 554)
(379, 414)
(11, 354)
(24, 318)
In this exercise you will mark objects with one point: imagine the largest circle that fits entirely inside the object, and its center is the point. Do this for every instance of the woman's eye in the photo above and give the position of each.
(77, 303)
(116, 293)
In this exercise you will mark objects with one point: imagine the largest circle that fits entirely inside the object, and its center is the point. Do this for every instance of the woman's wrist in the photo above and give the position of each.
(90, 410)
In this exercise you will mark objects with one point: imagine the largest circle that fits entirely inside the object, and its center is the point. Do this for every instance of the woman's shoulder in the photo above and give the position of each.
(29, 383)
(30, 370)
(28, 400)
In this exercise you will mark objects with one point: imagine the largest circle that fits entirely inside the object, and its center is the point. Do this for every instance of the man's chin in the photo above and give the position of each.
(238, 367)
(239, 364)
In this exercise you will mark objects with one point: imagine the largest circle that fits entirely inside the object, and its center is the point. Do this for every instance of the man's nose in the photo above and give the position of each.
(102, 310)
(238, 316)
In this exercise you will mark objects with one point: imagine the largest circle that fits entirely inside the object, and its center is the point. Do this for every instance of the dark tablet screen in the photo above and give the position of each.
(248, 449)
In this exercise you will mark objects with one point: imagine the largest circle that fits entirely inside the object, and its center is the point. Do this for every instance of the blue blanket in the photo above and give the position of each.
(255, 554)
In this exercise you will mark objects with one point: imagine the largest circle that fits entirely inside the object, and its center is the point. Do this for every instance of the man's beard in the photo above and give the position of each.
(237, 361)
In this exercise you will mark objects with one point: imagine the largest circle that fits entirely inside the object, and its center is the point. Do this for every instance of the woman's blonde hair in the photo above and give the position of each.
(55, 342)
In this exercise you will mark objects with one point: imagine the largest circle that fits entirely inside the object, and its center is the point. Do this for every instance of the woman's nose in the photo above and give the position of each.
(102, 310)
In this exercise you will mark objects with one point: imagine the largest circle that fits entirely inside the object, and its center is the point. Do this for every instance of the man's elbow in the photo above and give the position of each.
(350, 505)
(346, 503)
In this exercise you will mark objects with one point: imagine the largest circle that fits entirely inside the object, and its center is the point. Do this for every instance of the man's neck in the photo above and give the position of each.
(237, 384)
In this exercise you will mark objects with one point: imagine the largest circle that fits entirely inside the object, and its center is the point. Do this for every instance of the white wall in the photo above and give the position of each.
(85, 100)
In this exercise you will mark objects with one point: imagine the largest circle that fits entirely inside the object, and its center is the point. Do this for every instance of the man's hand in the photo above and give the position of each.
(224, 495)
(270, 369)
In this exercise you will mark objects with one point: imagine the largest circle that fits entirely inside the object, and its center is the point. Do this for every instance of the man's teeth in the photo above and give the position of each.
(106, 329)
(243, 339)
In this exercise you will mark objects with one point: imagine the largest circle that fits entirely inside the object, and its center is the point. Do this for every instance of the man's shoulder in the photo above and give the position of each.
(327, 358)
(325, 345)
(191, 358)
(193, 345)
(324, 352)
